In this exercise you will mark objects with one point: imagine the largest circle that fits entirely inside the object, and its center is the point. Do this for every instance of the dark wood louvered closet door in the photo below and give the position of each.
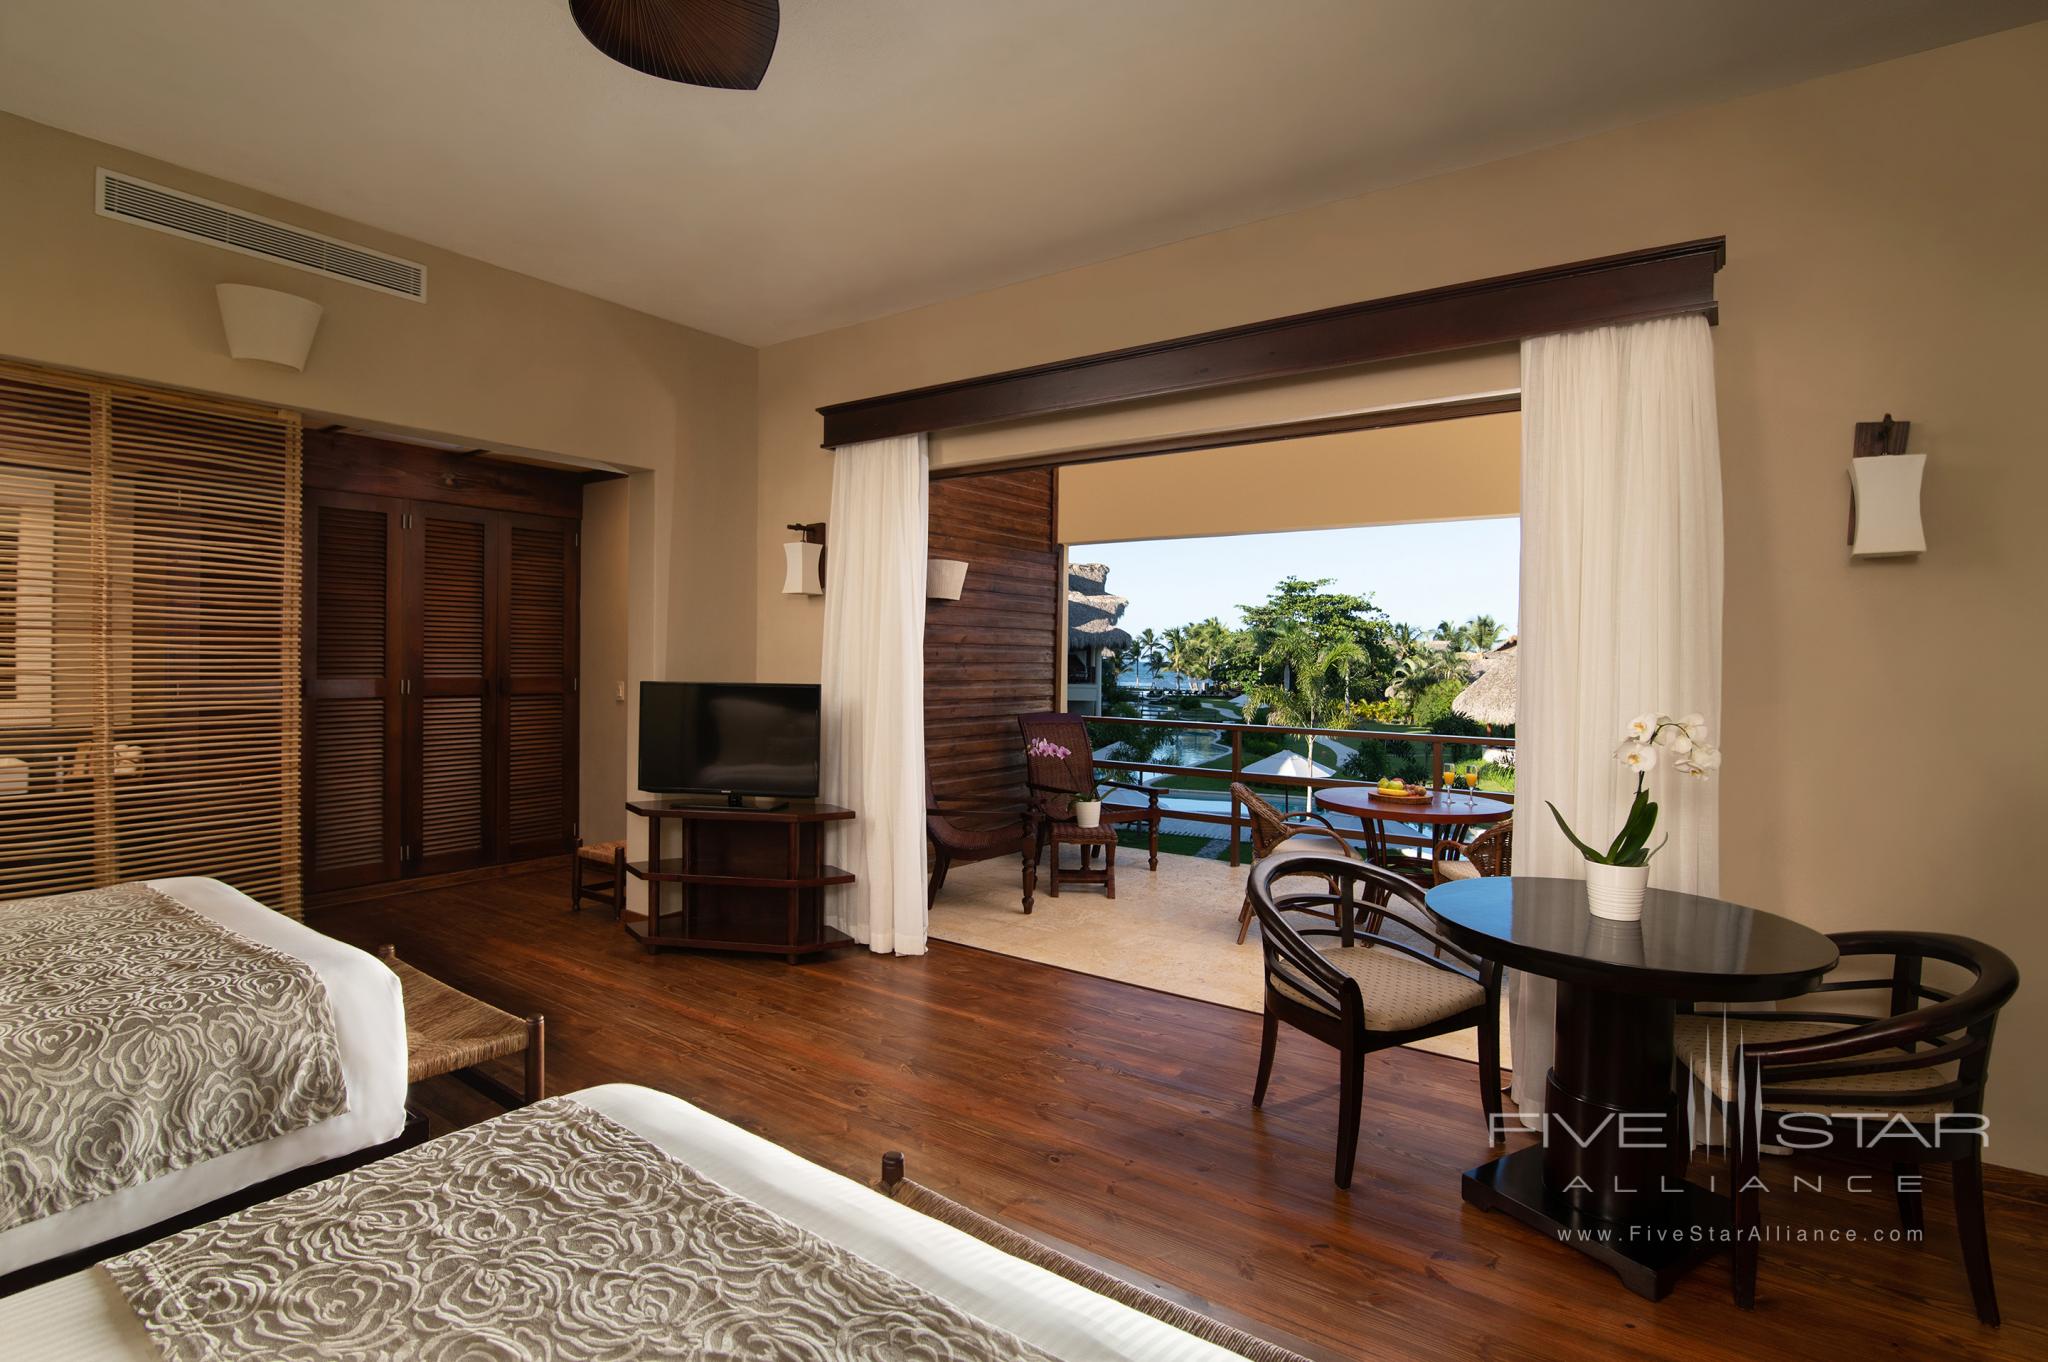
(441, 695)
(456, 626)
(537, 713)
(354, 719)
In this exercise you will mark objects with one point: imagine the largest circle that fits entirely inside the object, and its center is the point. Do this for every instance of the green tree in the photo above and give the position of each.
(1151, 653)
(1482, 632)
(1304, 697)
(1328, 617)
(1210, 646)
(1420, 669)
(1183, 653)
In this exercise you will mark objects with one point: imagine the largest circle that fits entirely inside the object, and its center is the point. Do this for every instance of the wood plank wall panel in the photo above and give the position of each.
(994, 653)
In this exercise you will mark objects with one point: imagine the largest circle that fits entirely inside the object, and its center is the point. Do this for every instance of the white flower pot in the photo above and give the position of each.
(1616, 892)
(1088, 813)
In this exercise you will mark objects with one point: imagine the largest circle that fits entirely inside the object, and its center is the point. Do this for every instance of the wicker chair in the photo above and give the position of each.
(1053, 782)
(1358, 989)
(1277, 833)
(1848, 1085)
(1491, 853)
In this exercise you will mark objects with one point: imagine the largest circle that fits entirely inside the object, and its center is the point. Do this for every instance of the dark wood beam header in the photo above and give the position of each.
(346, 461)
(1667, 281)
(1387, 417)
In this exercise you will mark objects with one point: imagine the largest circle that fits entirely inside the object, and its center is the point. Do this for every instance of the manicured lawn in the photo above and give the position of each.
(1183, 844)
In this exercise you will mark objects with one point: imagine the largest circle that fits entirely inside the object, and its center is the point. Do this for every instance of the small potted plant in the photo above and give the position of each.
(1617, 878)
(1087, 803)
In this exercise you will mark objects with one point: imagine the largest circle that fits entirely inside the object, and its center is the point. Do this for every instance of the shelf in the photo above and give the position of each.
(670, 871)
(636, 926)
(794, 811)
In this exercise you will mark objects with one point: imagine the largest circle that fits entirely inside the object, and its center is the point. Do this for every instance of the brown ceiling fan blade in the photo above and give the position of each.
(724, 44)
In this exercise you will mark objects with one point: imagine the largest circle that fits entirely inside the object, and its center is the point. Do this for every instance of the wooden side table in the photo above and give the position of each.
(1055, 836)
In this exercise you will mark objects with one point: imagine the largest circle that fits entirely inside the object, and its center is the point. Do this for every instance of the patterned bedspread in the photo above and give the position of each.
(549, 1235)
(138, 1037)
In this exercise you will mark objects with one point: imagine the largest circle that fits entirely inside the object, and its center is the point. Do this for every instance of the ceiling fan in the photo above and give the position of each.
(723, 44)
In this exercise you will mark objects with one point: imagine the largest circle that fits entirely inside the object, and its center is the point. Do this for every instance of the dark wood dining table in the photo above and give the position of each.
(1455, 812)
(1608, 1176)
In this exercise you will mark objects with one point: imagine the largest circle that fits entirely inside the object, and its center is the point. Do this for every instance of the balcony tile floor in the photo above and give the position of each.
(1174, 930)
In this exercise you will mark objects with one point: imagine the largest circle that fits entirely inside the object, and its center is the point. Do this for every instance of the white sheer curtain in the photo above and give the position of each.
(1620, 608)
(873, 690)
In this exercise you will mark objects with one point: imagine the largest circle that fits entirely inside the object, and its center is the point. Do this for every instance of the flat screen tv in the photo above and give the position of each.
(729, 739)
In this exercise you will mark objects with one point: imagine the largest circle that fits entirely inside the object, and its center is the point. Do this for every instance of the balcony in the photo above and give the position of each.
(1209, 755)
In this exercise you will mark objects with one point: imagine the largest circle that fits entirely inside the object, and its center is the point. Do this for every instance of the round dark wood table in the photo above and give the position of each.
(1609, 1174)
(1449, 809)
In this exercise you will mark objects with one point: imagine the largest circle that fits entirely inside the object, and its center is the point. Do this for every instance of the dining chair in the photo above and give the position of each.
(1901, 1090)
(1492, 852)
(1359, 990)
(1283, 834)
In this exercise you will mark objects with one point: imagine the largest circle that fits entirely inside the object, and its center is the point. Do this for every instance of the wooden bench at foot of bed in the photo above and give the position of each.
(1182, 1309)
(449, 1032)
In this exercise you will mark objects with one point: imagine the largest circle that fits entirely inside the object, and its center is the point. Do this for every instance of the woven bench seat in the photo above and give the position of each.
(449, 1032)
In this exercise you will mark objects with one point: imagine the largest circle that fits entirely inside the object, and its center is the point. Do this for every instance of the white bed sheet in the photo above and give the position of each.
(369, 1025)
(83, 1318)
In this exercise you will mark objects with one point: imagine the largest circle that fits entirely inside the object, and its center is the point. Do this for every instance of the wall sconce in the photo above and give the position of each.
(943, 578)
(804, 561)
(1884, 492)
(263, 324)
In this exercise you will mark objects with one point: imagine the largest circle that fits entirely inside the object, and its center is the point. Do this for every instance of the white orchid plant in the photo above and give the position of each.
(1650, 740)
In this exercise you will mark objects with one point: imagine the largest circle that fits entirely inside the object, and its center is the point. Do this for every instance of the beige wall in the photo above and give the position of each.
(1466, 469)
(492, 357)
(1884, 231)
(601, 743)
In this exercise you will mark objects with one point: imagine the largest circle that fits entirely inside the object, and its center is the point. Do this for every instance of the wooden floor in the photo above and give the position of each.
(1119, 1119)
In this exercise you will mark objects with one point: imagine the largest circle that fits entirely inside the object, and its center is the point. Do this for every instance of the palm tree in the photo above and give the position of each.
(1150, 653)
(1417, 671)
(1344, 657)
(1181, 652)
(1212, 642)
(1303, 699)
(1482, 632)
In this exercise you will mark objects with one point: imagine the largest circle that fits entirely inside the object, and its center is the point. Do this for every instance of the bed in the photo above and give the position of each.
(86, 1317)
(369, 1024)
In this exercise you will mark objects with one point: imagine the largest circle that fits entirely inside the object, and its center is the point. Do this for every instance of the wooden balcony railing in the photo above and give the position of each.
(1237, 821)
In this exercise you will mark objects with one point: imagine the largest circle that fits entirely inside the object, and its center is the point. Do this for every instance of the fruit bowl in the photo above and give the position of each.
(1413, 794)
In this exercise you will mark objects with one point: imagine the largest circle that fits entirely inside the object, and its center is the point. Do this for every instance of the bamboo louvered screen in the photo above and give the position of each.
(994, 653)
(149, 600)
(442, 687)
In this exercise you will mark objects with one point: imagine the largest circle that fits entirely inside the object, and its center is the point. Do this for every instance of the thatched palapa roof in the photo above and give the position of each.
(1490, 699)
(1092, 612)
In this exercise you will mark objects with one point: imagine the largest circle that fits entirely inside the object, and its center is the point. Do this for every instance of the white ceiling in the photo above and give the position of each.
(899, 151)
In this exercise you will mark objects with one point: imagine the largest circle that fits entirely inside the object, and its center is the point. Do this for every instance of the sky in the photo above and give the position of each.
(1419, 574)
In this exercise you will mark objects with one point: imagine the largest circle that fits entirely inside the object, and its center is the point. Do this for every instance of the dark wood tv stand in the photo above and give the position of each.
(746, 879)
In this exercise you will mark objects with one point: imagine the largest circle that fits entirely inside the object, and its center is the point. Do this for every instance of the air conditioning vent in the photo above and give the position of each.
(196, 219)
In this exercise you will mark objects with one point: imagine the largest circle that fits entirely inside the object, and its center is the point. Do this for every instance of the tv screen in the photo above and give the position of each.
(719, 738)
